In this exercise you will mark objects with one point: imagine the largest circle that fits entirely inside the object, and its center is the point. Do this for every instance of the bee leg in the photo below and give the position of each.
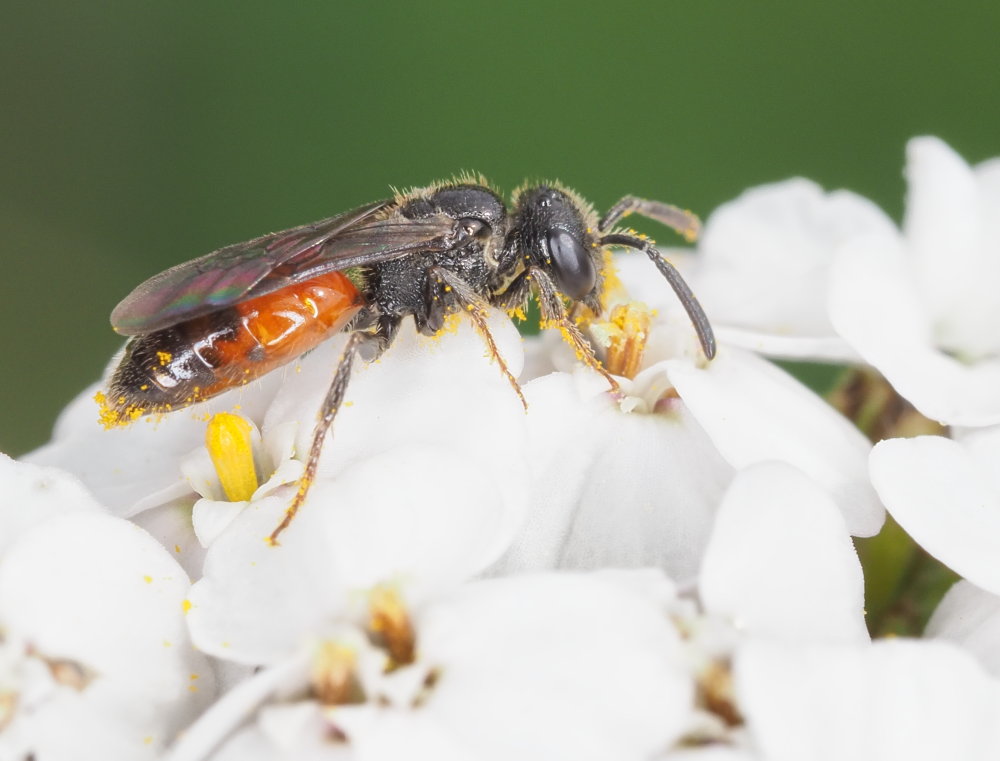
(449, 293)
(554, 316)
(516, 294)
(331, 404)
(687, 298)
(684, 222)
(376, 341)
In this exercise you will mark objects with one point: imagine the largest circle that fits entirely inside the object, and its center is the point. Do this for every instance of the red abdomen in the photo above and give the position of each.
(198, 359)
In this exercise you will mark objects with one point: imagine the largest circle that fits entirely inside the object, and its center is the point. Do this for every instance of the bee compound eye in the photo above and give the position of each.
(572, 264)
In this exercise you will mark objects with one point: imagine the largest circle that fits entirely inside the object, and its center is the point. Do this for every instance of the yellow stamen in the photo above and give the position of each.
(228, 440)
(8, 708)
(390, 625)
(334, 675)
(624, 338)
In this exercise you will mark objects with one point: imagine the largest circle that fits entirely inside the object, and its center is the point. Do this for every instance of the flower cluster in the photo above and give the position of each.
(661, 571)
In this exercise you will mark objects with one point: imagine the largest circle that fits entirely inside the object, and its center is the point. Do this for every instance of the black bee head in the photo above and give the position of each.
(551, 232)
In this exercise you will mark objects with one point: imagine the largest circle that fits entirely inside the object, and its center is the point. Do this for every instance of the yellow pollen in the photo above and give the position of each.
(624, 337)
(334, 675)
(116, 414)
(693, 229)
(517, 313)
(229, 445)
(8, 707)
(390, 625)
(148, 579)
(186, 606)
(164, 357)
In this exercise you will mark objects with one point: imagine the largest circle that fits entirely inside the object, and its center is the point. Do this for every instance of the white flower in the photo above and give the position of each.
(407, 518)
(422, 393)
(762, 267)
(780, 562)
(779, 567)
(895, 699)
(136, 468)
(95, 661)
(545, 666)
(422, 484)
(922, 308)
(635, 480)
(946, 495)
(970, 617)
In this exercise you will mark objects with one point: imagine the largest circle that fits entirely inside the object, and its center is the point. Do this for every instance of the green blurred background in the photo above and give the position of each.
(139, 134)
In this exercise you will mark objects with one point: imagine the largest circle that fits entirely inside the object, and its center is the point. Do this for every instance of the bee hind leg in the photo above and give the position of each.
(328, 412)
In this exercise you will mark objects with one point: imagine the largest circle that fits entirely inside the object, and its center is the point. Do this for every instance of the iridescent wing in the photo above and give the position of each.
(260, 266)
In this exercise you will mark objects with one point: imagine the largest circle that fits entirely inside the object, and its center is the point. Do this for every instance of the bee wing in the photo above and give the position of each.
(254, 268)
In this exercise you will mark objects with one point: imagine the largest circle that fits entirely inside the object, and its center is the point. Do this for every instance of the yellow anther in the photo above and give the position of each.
(334, 675)
(229, 445)
(390, 625)
(624, 337)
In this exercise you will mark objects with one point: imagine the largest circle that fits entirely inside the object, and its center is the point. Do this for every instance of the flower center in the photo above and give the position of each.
(227, 438)
(624, 337)
(334, 675)
(715, 692)
(390, 626)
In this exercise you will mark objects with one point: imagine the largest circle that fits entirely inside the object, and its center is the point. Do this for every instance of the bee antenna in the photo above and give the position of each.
(684, 293)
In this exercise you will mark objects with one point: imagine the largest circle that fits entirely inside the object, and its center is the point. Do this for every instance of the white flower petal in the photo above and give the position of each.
(113, 604)
(876, 306)
(423, 392)
(945, 501)
(951, 227)
(982, 445)
(252, 744)
(235, 709)
(754, 411)
(831, 349)
(30, 494)
(780, 561)
(764, 258)
(138, 467)
(425, 520)
(210, 518)
(970, 617)
(896, 699)
(611, 488)
(170, 525)
(391, 735)
(578, 666)
(709, 753)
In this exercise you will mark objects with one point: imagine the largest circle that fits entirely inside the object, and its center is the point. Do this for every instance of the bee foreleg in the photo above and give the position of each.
(554, 316)
(331, 405)
(515, 296)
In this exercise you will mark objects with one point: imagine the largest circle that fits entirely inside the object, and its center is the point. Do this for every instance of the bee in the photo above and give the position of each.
(224, 319)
